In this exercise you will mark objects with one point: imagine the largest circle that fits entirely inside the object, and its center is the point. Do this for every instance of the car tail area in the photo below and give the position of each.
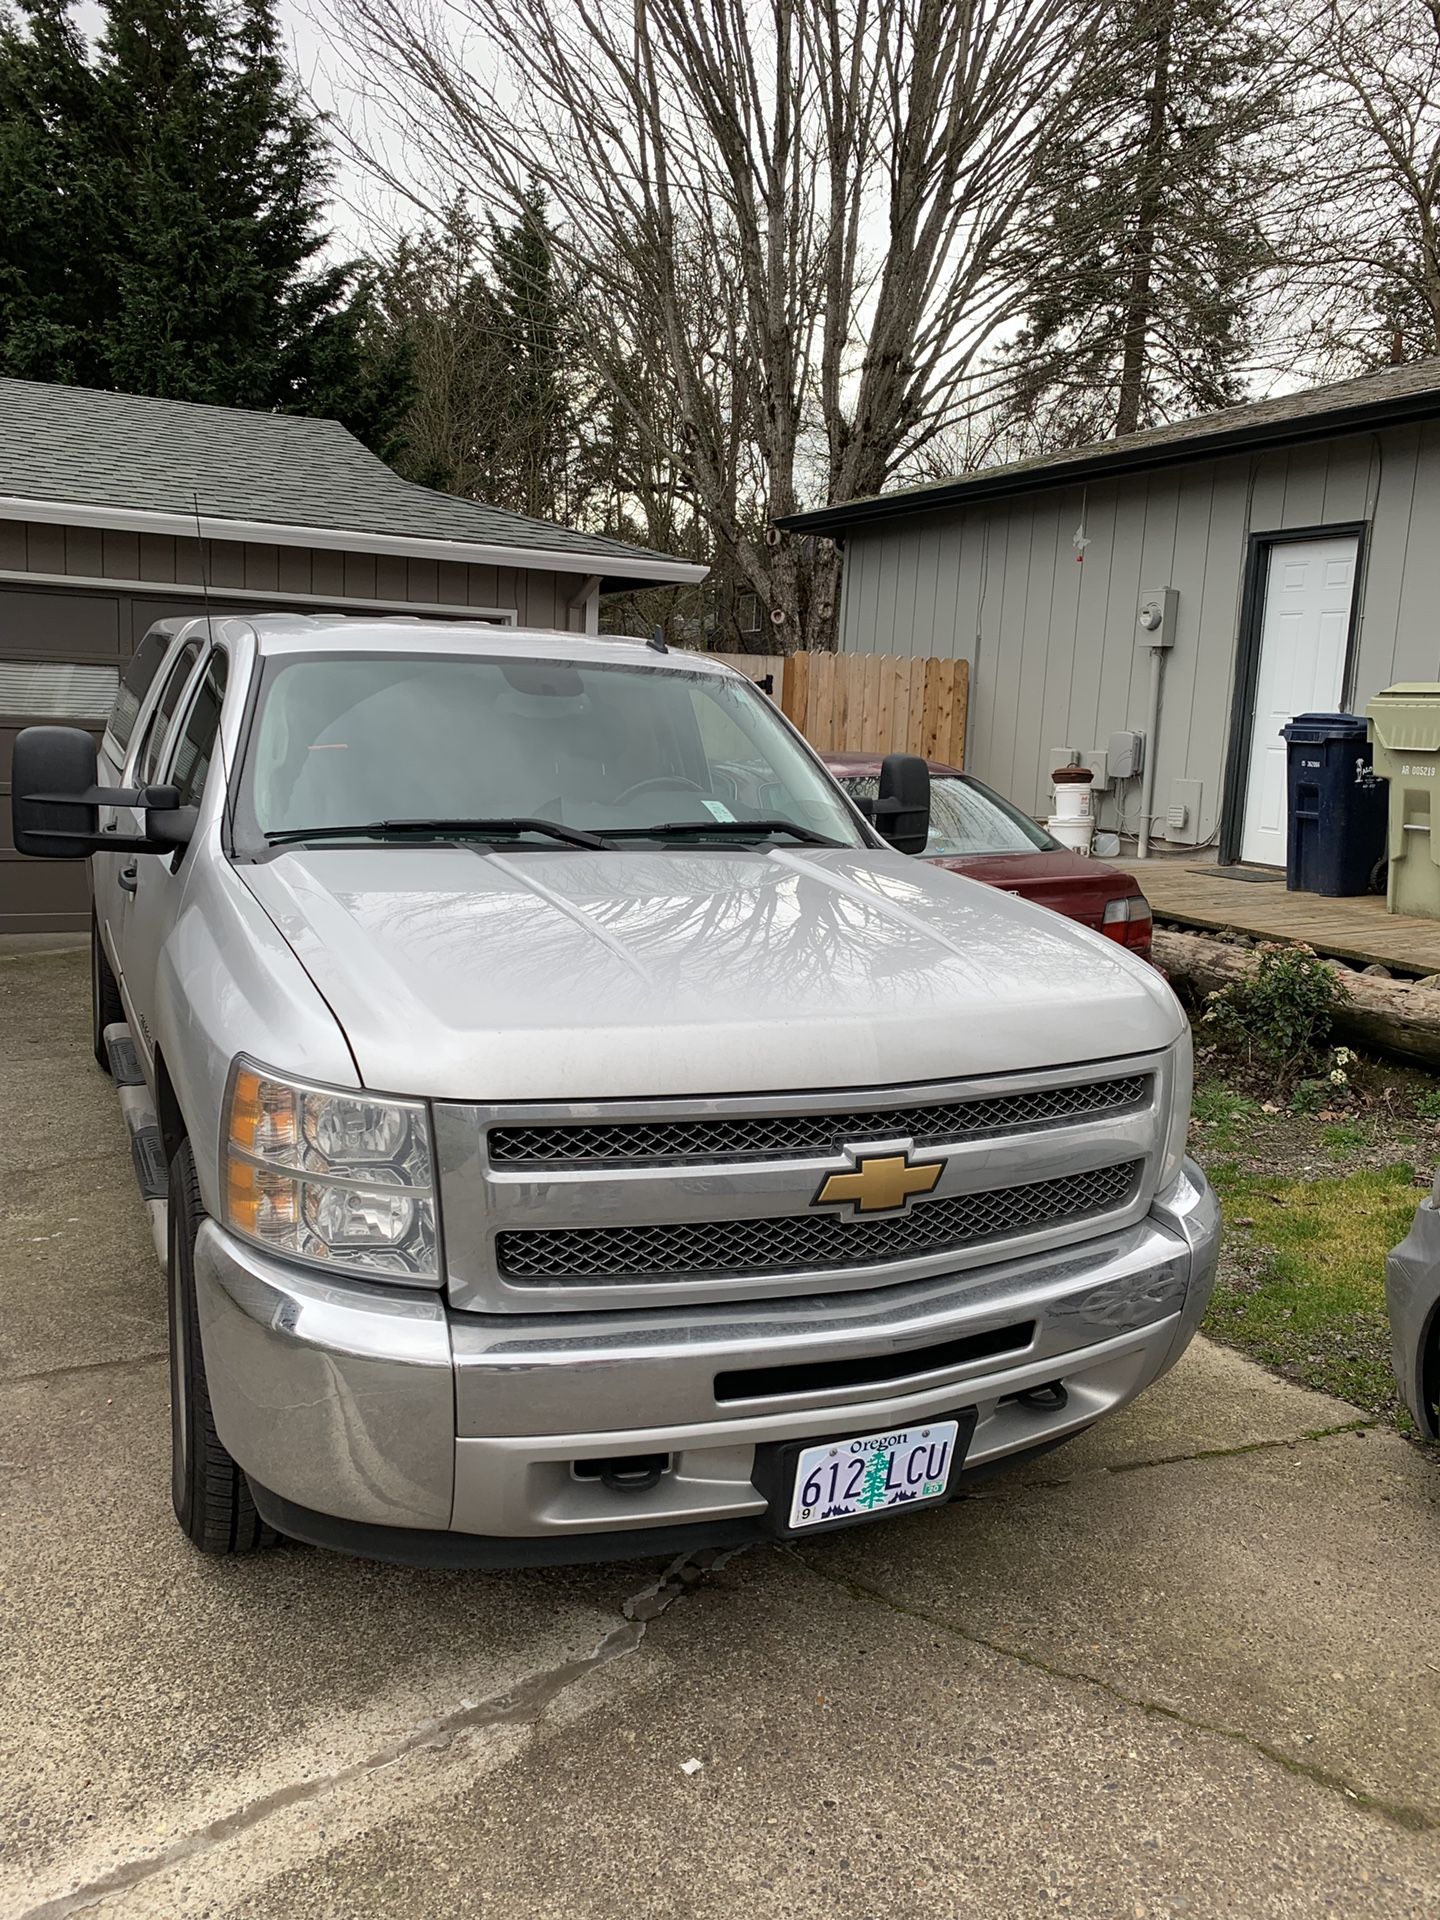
(1105, 898)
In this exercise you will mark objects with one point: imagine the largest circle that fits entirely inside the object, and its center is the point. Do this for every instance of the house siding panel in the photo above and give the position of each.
(1055, 655)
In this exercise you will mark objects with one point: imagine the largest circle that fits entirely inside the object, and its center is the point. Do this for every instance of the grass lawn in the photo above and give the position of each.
(1312, 1205)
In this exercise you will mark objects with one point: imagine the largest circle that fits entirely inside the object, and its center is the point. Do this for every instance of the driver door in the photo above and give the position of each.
(178, 750)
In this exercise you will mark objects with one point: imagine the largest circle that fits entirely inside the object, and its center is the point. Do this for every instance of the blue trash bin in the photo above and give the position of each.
(1337, 812)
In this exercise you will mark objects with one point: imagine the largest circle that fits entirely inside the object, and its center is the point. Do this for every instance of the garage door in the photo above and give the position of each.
(60, 656)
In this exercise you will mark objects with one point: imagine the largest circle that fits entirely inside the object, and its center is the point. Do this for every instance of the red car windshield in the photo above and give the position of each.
(967, 819)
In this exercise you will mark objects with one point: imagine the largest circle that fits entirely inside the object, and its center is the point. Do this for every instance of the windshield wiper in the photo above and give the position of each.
(756, 829)
(440, 829)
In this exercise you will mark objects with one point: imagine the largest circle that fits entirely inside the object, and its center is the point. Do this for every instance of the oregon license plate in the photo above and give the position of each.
(848, 1479)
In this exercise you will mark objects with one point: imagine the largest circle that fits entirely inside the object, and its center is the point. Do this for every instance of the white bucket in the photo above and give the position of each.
(1075, 834)
(1072, 800)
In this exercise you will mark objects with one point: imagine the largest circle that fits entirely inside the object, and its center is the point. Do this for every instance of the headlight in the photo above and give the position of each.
(1181, 1077)
(340, 1179)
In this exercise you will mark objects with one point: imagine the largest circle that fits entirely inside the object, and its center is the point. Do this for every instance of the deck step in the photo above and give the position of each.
(124, 1060)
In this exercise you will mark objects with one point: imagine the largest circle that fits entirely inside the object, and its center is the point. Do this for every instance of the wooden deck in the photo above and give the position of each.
(1193, 894)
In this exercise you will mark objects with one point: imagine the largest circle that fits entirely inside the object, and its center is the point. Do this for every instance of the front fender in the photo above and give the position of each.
(228, 983)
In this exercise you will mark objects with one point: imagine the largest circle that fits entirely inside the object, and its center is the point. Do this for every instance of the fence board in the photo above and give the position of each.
(878, 703)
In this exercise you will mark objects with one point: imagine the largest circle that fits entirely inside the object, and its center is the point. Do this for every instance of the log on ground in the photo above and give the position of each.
(1385, 1016)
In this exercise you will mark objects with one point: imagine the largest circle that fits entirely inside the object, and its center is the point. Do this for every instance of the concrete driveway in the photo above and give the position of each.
(1188, 1666)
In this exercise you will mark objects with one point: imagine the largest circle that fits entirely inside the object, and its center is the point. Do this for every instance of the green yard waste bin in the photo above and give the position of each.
(1405, 733)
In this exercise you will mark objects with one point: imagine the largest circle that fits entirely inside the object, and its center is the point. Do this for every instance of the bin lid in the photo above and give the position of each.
(1326, 726)
(1406, 717)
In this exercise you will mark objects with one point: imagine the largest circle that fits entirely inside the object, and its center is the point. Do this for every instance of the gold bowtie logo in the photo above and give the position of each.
(881, 1183)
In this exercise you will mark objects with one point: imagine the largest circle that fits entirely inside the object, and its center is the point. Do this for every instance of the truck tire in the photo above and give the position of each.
(210, 1492)
(106, 1008)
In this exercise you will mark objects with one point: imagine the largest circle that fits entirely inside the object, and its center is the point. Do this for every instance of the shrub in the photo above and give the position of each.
(1282, 1015)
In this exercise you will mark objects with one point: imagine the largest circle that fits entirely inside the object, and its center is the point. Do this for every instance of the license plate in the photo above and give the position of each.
(850, 1479)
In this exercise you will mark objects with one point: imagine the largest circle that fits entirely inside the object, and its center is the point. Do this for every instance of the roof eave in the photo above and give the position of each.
(629, 570)
(1401, 411)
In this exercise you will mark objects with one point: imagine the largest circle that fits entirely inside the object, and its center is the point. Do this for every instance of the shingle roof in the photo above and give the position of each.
(121, 451)
(1392, 397)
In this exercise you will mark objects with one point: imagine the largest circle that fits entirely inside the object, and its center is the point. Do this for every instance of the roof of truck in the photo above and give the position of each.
(285, 633)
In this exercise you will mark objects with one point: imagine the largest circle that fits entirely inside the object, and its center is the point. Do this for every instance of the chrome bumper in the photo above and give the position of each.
(379, 1406)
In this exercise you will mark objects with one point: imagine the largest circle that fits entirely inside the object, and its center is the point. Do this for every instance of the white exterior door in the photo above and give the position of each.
(1303, 632)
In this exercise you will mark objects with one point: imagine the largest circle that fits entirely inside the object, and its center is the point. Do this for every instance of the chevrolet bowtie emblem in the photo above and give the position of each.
(881, 1183)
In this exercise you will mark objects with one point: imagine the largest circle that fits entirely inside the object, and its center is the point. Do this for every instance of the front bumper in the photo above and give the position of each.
(380, 1408)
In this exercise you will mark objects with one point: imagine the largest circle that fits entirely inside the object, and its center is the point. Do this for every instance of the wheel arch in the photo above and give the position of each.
(168, 1115)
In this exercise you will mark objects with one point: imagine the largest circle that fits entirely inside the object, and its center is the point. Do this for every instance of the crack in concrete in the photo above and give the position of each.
(1410, 1819)
(1009, 1491)
(81, 1366)
(521, 1705)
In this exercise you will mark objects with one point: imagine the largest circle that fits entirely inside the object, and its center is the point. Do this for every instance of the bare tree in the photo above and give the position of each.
(797, 217)
(1366, 272)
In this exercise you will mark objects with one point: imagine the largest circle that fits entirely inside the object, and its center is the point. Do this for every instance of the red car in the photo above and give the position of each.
(973, 831)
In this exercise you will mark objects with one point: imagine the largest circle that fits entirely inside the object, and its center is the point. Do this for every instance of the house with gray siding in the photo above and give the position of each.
(1298, 539)
(117, 511)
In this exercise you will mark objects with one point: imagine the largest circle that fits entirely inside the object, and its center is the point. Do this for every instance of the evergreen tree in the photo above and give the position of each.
(481, 319)
(1149, 209)
(529, 327)
(55, 295)
(190, 216)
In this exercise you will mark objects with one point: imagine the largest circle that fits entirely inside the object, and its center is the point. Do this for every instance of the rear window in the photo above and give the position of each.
(135, 684)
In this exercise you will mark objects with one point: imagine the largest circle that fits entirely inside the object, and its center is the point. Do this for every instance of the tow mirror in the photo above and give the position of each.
(902, 805)
(55, 803)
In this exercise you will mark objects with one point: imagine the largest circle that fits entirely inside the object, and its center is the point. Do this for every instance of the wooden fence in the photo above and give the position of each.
(879, 703)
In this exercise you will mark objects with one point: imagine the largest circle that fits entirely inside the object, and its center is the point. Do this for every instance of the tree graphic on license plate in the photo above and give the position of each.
(875, 1485)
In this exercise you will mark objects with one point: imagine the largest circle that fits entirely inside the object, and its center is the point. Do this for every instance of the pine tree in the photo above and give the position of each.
(55, 294)
(495, 406)
(1150, 210)
(529, 325)
(177, 246)
(876, 1483)
(434, 306)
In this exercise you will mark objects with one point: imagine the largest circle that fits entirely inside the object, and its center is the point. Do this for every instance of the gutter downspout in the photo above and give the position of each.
(1152, 745)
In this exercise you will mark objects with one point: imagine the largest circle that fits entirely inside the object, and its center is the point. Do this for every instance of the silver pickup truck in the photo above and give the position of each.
(574, 1128)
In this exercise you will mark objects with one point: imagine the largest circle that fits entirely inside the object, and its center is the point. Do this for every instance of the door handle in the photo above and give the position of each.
(129, 878)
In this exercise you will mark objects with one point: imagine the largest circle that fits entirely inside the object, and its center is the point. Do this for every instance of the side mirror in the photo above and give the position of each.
(53, 797)
(54, 801)
(902, 806)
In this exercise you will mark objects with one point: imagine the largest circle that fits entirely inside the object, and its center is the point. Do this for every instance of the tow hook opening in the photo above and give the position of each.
(624, 1472)
(1051, 1398)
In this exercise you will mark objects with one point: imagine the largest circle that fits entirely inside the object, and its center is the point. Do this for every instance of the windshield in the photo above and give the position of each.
(968, 818)
(350, 740)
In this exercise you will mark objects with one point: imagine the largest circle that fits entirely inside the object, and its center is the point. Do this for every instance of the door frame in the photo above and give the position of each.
(1247, 659)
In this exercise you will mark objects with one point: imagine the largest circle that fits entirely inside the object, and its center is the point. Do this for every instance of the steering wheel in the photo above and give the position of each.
(669, 782)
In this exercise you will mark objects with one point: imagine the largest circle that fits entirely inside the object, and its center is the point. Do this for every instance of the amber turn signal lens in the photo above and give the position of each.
(262, 1115)
(259, 1201)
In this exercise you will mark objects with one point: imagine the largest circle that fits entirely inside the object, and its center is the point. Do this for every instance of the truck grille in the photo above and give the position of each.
(758, 1137)
(797, 1243)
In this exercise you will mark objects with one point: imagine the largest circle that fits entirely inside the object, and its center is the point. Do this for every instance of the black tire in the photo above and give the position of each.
(210, 1492)
(106, 1007)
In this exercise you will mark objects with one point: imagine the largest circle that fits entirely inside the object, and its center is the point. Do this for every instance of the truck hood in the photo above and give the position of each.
(459, 974)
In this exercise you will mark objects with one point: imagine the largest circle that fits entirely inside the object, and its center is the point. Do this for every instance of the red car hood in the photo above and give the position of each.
(1061, 880)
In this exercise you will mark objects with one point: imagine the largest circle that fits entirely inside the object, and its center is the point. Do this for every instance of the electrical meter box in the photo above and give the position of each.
(1155, 620)
(1126, 754)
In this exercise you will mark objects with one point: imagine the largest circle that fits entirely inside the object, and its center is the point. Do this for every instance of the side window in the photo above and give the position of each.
(196, 747)
(163, 713)
(143, 667)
